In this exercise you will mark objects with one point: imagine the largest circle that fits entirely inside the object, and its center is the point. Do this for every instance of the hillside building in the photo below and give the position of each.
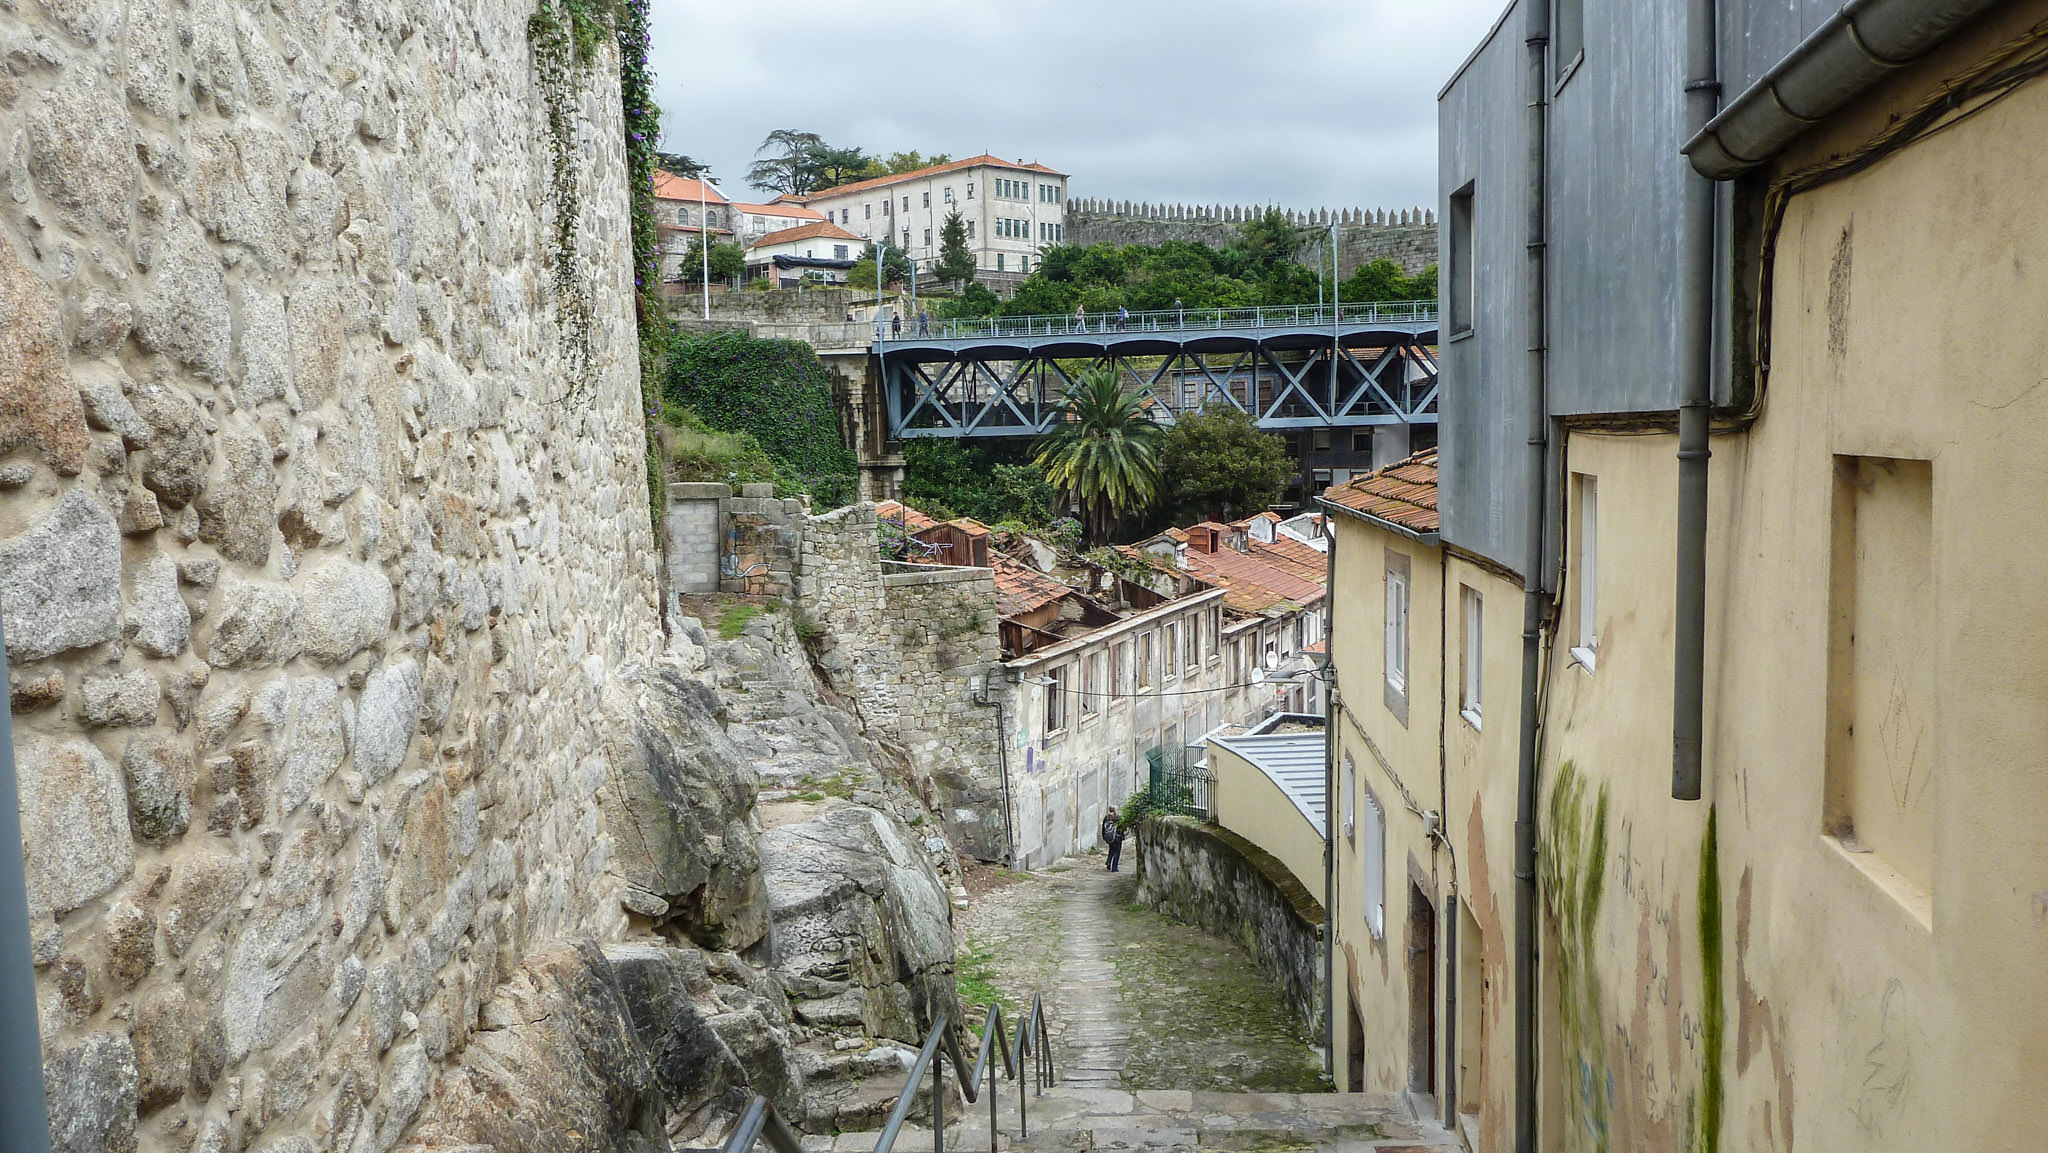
(1012, 210)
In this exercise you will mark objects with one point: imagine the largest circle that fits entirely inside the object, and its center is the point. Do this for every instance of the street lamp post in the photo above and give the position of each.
(704, 239)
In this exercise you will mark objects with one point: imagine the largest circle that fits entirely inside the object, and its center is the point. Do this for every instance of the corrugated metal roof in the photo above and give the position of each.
(1293, 761)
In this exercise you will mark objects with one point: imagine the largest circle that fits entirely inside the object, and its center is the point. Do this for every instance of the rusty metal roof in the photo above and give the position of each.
(1402, 494)
(1021, 589)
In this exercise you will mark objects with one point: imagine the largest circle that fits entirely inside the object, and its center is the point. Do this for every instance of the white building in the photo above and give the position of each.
(1011, 211)
(751, 222)
(823, 251)
(683, 210)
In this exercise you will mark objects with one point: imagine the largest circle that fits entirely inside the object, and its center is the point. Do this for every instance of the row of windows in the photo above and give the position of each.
(1011, 229)
(1133, 666)
(1051, 233)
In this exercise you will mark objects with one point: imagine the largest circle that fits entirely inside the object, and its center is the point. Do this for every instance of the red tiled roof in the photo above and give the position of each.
(794, 211)
(1021, 588)
(669, 186)
(904, 515)
(919, 174)
(816, 229)
(1251, 585)
(1403, 493)
(1318, 648)
(1292, 555)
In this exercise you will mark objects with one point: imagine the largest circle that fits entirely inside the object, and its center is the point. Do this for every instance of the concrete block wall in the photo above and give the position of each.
(693, 531)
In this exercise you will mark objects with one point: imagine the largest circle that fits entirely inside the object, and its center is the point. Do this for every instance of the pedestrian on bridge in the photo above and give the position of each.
(1113, 837)
(1180, 319)
(1081, 317)
(924, 322)
(895, 324)
(1123, 317)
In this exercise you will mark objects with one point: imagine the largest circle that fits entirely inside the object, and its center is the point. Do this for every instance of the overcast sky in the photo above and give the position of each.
(1307, 103)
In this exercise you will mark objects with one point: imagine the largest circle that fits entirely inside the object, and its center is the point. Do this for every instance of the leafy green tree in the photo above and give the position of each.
(1267, 239)
(1020, 493)
(784, 162)
(1382, 279)
(728, 261)
(677, 164)
(831, 167)
(896, 267)
(956, 260)
(975, 300)
(1103, 450)
(1217, 464)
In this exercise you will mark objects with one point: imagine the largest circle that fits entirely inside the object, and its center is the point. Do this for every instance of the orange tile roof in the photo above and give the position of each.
(669, 186)
(1021, 588)
(1251, 585)
(794, 211)
(935, 170)
(815, 229)
(1403, 493)
(904, 515)
(1287, 553)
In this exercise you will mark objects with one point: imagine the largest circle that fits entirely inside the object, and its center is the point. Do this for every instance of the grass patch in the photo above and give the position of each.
(974, 976)
(733, 621)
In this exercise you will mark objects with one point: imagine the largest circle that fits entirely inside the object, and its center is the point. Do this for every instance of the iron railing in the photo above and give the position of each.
(762, 1122)
(1171, 320)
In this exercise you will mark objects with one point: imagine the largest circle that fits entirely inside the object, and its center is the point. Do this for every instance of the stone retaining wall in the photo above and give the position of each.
(1210, 877)
(315, 572)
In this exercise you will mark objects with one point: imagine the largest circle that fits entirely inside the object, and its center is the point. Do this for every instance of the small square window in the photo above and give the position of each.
(949, 194)
(1361, 441)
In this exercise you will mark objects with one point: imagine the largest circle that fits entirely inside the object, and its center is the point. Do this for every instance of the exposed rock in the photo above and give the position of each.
(386, 716)
(128, 699)
(131, 946)
(858, 908)
(662, 987)
(28, 692)
(264, 346)
(92, 1088)
(100, 390)
(39, 407)
(558, 1039)
(679, 799)
(99, 326)
(160, 776)
(348, 609)
(159, 621)
(74, 821)
(237, 513)
(60, 582)
(314, 318)
(255, 624)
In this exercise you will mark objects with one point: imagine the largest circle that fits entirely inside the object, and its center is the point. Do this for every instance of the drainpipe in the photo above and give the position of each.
(987, 699)
(1536, 39)
(1330, 705)
(1695, 382)
(24, 1112)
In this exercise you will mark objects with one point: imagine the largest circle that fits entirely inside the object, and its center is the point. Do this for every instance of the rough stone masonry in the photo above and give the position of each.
(317, 586)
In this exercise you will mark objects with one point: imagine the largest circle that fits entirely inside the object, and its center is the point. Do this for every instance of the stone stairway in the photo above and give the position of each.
(1081, 1120)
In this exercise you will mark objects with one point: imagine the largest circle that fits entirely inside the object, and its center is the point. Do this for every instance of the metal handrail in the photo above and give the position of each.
(761, 1119)
(1176, 320)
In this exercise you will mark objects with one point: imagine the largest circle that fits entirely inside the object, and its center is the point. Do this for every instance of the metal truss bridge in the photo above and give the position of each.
(1288, 367)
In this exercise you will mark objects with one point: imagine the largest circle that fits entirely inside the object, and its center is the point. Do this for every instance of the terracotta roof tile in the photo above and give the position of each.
(1021, 588)
(1251, 585)
(1403, 493)
(815, 229)
(669, 186)
(1292, 555)
(919, 174)
(904, 515)
(793, 211)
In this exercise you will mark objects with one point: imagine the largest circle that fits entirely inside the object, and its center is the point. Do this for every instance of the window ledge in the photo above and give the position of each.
(1917, 902)
(1471, 717)
(1583, 657)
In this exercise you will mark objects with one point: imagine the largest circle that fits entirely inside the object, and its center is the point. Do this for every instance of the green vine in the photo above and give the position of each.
(779, 393)
(643, 137)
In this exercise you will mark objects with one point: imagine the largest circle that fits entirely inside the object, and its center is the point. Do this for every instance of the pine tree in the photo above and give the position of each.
(956, 260)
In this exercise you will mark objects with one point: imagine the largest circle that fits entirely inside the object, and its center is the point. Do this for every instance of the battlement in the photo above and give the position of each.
(1238, 213)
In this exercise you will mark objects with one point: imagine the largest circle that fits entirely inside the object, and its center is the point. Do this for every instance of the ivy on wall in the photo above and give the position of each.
(643, 136)
(775, 390)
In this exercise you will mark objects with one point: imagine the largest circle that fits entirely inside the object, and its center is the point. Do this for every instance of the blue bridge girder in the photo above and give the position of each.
(1306, 367)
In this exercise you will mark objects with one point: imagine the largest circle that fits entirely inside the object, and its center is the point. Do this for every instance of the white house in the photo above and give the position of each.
(751, 222)
(1012, 210)
(825, 251)
(684, 209)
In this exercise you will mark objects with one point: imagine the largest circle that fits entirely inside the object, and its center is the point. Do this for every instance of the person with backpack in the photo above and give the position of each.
(1112, 836)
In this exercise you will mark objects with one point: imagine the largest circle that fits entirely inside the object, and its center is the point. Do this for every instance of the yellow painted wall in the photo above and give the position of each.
(1248, 803)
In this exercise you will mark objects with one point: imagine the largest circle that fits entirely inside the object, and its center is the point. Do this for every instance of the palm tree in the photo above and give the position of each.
(1103, 449)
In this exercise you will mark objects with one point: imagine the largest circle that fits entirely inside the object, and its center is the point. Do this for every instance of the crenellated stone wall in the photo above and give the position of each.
(315, 572)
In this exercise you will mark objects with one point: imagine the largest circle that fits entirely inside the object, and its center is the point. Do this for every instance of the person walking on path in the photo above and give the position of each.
(1112, 836)
(895, 324)
(1081, 317)
(924, 322)
(1123, 317)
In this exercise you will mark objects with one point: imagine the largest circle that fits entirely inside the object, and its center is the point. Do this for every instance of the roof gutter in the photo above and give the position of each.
(1432, 539)
(1861, 44)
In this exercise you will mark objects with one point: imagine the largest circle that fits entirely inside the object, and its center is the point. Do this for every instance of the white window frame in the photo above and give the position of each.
(1396, 632)
(1348, 799)
(1372, 851)
(1191, 642)
(1589, 573)
(1091, 685)
(1475, 621)
(1170, 650)
(1146, 644)
(1056, 702)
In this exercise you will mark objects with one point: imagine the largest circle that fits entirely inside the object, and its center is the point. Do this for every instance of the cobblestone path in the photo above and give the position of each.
(1135, 1001)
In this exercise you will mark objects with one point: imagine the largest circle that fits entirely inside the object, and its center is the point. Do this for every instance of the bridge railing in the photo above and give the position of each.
(1169, 320)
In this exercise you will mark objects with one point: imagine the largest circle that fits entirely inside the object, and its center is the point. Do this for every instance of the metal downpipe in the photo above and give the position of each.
(1536, 39)
(1695, 380)
(1330, 706)
(24, 1111)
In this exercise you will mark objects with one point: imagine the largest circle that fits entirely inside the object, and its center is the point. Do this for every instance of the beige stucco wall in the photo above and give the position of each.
(1248, 802)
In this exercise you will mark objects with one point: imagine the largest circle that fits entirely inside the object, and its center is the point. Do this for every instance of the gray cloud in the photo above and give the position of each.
(1301, 102)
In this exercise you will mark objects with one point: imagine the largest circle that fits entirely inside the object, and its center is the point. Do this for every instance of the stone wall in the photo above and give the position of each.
(761, 539)
(1213, 878)
(1406, 238)
(315, 577)
(776, 306)
(944, 627)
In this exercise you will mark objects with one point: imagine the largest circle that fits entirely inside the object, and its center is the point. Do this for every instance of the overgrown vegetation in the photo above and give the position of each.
(992, 481)
(778, 397)
(974, 976)
(1217, 464)
(1168, 800)
(799, 162)
(733, 621)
